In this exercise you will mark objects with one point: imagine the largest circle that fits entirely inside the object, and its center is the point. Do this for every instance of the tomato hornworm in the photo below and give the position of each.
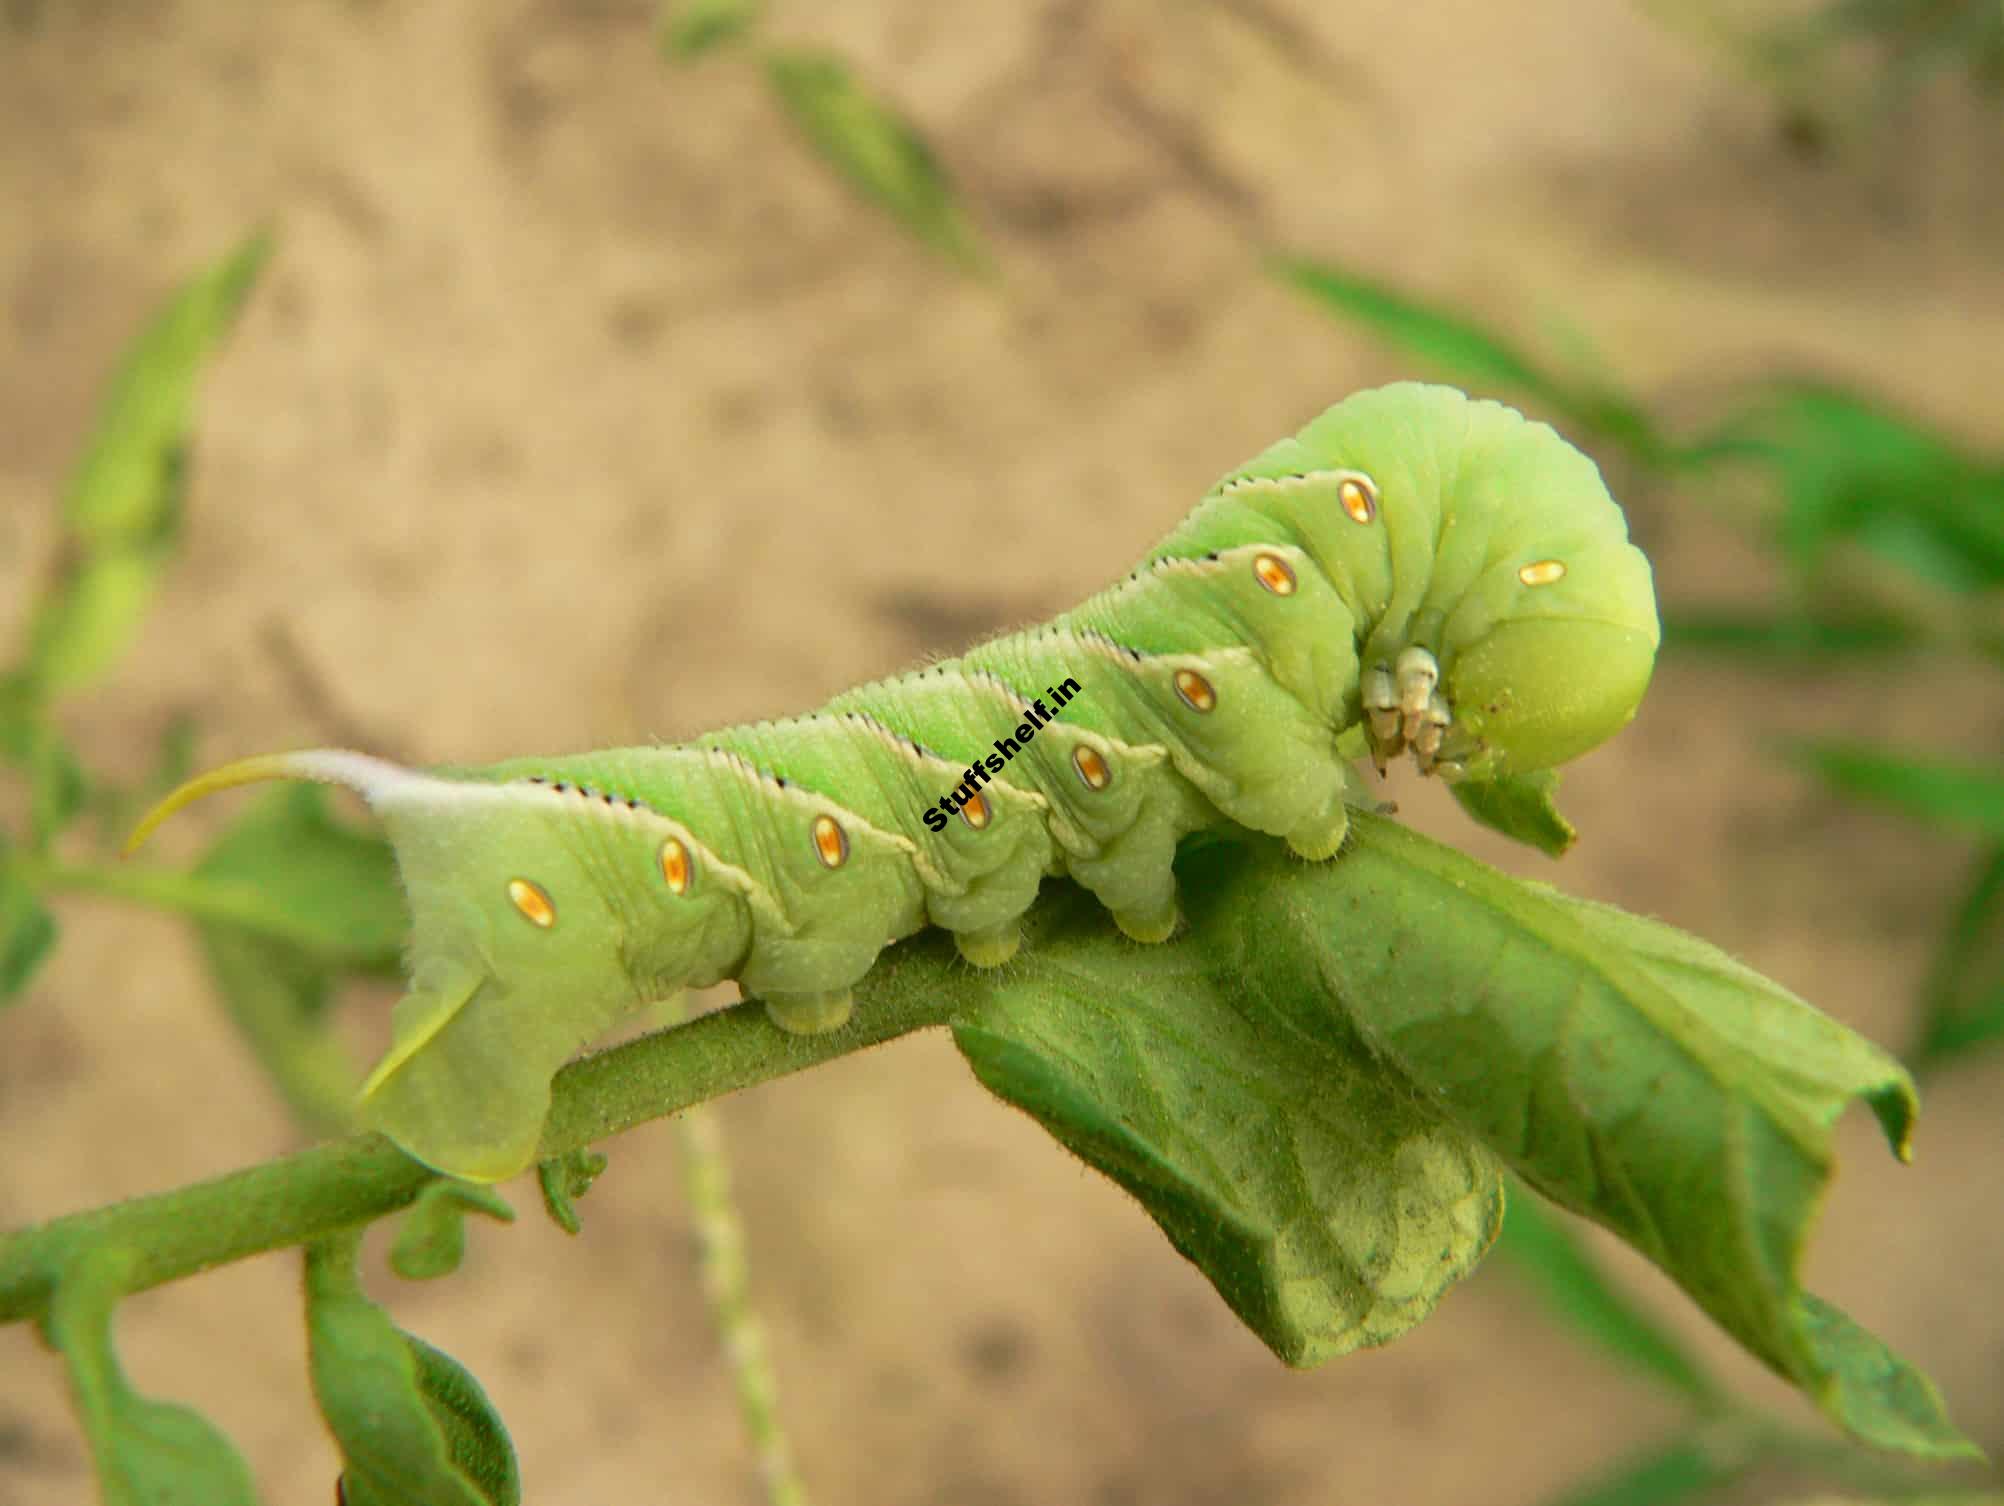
(1414, 572)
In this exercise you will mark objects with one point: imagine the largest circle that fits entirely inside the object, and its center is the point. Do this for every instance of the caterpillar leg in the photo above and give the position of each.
(990, 946)
(1323, 840)
(1406, 709)
(1150, 925)
(810, 1013)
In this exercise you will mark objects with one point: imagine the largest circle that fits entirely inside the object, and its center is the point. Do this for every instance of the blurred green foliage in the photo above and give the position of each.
(286, 903)
(690, 28)
(1911, 40)
(1890, 537)
(869, 142)
(1846, 70)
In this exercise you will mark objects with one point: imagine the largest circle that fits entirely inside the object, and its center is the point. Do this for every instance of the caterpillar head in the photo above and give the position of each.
(1514, 624)
(1560, 672)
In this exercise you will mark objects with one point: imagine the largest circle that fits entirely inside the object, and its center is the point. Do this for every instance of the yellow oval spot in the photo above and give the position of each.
(675, 869)
(831, 843)
(976, 813)
(1195, 690)
(1542, 572)
(532, 902)
(1274, 573)
(1091, 768)
(1359, 498)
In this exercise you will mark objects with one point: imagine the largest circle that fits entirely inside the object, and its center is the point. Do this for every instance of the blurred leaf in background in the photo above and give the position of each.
(339, 881)
(1460, 350)
(690, 28)
(1696, 1462)
(27, 930)
(875, 148)
(1963, 1000)
(869, 141)
(123, 504)
(1846, 468)
(1538, 1242)
(1892, 535)
(1846, 68)
(119, 514)
(1914, 38)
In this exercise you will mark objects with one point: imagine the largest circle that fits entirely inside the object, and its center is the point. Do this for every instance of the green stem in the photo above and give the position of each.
(727, 1284)
(315, 1192)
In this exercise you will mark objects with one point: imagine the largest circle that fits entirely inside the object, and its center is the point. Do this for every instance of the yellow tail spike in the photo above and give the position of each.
(322, 765)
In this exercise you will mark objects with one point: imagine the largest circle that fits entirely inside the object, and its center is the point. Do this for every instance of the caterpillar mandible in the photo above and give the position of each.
(1414, 572)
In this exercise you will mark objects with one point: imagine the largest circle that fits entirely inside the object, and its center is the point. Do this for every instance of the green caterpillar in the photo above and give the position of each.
(1415, 571)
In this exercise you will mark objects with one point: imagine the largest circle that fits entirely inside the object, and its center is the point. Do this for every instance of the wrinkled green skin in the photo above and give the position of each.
(1468, 493)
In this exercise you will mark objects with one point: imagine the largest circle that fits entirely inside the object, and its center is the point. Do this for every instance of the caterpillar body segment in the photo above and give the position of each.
(1415, 571)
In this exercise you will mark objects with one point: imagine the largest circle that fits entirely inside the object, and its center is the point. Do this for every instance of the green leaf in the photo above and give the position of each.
(119, 495)
(690, 28)
(146, 1453)
(276, 996)
(1524, 807)
(20, 716)
(1625, 1070)
(27, 930)
(1471, 356)
(1914, 40)
(1848, 468)
(883, 157)
(57, 786)
(1966, 797)
(1679, 1471)
(1456, 347)
(339, 880)
(1763, 634)
(413, 1427)
(564, 1179)
(432, 1239)
(123, 502)
(1633, 1074)
(83, 626)
(338, 887)
(1963, 1004)
(1328, 1206)
(1569, 1281)
(481, 1448)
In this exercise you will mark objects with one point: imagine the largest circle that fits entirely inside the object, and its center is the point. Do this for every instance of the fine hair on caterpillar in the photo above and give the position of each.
(1415, 572)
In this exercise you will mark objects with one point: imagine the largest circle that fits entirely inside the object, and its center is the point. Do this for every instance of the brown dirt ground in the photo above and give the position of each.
(582, 406)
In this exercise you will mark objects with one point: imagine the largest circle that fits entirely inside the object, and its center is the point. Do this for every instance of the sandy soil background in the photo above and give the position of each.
(581, 405)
